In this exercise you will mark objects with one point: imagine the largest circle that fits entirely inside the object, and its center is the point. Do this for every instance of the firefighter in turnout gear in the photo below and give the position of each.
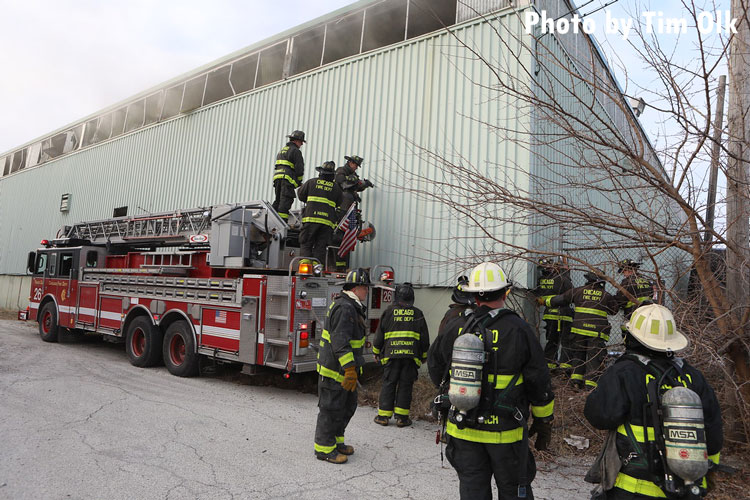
(288, 173)
(554, 279)
(589, 332)
(340, 363)
(349, 181)
(322, 196)
(492, 439)
(401, 344)
(623, 404)
(639, 287)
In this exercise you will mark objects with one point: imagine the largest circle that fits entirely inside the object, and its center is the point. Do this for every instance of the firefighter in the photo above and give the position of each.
(619, 402)
(288, 173)
(554, 279)
(350, 183)
(400, 344)
(589, 331)
(340, 362)
(322, 196)
(514, 376)
(639, 287)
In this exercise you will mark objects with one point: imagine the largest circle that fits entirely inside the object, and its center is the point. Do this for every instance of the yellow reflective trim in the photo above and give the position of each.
(504, 380)
(375, 350)
(587, 333)
(670, 327)
(285, 162)
(339, 439)
(283, 215)
(655, 327)
(589, 310)
(320, 199)
(637, 432)
(551, 316)
(567, 318)
(326, 335)
(356, 344)
(318, 220)
(715, 458)
(543, 411)
(293, 182)
(490, 437)
(638, 486)
(327, 372)
(402, 333)
(324, 449)
(385, 413)
(346, 358)
(490, 276)
(418, 362)
(401, 411)
(591, 383)
(576, 376)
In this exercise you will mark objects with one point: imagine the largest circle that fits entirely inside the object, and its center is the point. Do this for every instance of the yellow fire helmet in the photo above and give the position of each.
(654, 327)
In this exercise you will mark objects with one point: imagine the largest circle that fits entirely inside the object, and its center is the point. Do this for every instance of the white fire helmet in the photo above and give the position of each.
(654, 327)
(486, 277)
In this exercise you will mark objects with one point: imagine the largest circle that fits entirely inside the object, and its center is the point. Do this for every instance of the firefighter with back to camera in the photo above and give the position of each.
(496, 369)
(349, 181)
(554, 279)
(322, 196)
(288, 173)
(401, 344)
(663, 416)
(340, 362)
(590, 329)
(642, 289)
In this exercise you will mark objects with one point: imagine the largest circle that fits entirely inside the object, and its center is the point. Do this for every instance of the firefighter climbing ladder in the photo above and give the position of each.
(166, 228)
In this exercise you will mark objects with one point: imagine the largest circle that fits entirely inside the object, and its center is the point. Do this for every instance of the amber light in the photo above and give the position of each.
(305, 268)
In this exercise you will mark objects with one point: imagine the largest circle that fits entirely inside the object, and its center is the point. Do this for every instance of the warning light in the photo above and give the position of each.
(386, 277)
(305, 268)
(45, 243)
(287, 376)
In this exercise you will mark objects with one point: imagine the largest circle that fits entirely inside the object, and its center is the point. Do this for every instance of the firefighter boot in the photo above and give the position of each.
(381, 420)
(345, 449)
(403, 422)
(334, 457)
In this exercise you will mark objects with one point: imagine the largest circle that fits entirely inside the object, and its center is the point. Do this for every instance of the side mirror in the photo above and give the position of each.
(31, 263)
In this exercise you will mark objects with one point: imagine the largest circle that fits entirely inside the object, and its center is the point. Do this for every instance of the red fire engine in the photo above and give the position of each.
(224, 282)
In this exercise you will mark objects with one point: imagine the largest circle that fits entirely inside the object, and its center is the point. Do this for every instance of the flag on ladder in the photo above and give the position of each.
(351, 228)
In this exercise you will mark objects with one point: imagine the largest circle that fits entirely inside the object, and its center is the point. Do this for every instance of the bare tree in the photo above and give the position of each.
(595, 190)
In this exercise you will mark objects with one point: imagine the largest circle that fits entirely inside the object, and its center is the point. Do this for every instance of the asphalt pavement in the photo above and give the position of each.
(77, 421)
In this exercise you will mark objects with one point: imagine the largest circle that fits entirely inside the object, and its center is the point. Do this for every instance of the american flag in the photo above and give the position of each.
(351, 229)
(221, 317)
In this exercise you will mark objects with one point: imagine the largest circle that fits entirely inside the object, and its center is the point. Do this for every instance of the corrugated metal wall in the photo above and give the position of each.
(426, 90)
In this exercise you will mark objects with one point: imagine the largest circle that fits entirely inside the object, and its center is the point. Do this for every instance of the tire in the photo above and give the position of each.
(179, 353)
(143, 342)
(48, 329)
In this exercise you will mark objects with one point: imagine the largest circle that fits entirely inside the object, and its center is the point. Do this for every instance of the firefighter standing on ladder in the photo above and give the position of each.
(288, 173)
(400, 344)
(322, 196)
(340, 362)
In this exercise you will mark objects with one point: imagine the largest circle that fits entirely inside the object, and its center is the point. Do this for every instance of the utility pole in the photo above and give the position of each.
(715, 156)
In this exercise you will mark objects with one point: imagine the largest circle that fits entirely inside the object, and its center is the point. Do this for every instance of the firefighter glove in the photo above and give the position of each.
(544, 430)
(350, 379)
(369, 184)
(540, 301)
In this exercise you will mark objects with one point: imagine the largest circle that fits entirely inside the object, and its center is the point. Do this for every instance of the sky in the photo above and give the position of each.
(62, 60)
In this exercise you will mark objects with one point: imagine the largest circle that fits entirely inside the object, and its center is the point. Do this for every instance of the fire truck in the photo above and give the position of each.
(224, 282)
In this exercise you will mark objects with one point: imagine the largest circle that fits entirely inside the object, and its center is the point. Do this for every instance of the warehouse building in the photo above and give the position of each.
(379, 78)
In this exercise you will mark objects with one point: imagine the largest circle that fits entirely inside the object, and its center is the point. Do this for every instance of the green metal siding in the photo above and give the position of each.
(426, 91)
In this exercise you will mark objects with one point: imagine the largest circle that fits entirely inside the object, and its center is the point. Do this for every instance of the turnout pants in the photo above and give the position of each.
(284, 197)
(398, 379)
(336, 407)
(313, 240)
(586, 355)
(557, 333)
(477, 463)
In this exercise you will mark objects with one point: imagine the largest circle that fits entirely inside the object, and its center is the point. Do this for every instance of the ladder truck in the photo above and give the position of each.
(224, 282)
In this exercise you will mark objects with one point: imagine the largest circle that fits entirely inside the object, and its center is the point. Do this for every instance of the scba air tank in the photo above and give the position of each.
(466, 372)
(684, 434)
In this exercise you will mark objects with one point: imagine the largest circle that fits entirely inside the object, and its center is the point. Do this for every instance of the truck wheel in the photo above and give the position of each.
(143, 342)
(180, 357)
(48, 328)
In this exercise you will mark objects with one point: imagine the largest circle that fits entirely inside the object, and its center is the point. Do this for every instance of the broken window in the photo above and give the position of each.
(307, 50)
(271, 66)
(217, 85)
(135, 116)
(243, 73)
(72, 139)
(89, 132)
(33, 155)
(103, 128)
(5, 165)
(193, 94)
(172, 101)
(426, 16)
(118, 121)
(153, 108)
(19, 160)
(54, 146)
(343, 38)
(385, 24)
